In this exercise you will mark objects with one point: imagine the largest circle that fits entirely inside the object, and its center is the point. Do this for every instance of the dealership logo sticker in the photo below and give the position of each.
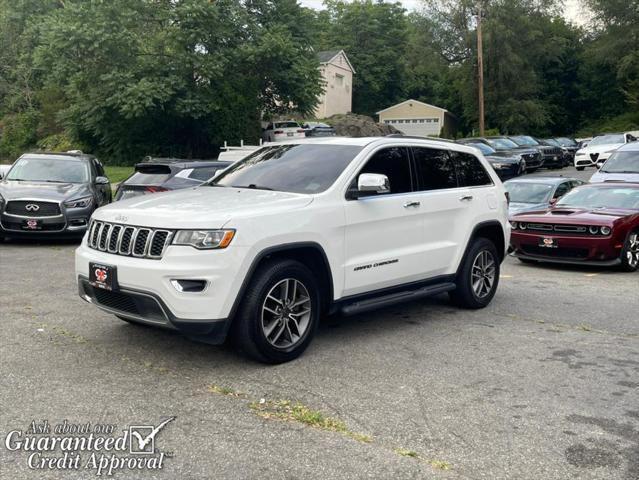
(100, 449)
(100, 275)
(32, 224)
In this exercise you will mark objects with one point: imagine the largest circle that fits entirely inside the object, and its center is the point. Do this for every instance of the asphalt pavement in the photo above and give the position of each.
(542, 384)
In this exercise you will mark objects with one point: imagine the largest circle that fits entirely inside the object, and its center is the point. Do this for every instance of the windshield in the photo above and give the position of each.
(566, 142)
(502, 143)
(286, 125)
(42, 169)
(622, 162)
(602, 197)
(485, 149)
(607, 139)
(521, 192)
(308, 168)
(524, 140)
(552, 141)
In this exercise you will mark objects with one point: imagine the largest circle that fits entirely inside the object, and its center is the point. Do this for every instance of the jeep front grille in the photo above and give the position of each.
(125, 240)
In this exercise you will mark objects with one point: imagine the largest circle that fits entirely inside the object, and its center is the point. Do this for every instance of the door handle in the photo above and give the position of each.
(465, 198)
(412, 204)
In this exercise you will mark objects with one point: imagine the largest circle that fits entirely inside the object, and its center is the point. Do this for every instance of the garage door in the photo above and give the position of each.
(416, 126)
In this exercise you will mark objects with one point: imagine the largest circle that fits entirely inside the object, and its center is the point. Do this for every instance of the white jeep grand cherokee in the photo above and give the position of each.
(298, 230)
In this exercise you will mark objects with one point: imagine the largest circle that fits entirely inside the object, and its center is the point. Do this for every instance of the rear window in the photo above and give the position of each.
(287, 125)
(151, 175)
(204, 174)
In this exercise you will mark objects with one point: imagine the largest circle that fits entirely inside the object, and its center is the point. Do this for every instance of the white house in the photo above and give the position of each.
(337, 74)
(413, 117)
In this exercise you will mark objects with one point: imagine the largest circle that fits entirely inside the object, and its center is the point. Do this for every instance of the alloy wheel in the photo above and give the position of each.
(632, 254)
(286, 313)
(483, 274)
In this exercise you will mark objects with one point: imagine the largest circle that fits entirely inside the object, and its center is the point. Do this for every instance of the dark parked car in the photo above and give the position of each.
(570, 145)
(504, 145)
(536, 192)
(567, 155)
(552, 155)
(164, 174)
(316, 129)
(51, 194)
(506, 165)
(594, 224)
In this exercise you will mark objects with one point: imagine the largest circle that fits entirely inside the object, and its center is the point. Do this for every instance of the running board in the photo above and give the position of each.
(395, 298)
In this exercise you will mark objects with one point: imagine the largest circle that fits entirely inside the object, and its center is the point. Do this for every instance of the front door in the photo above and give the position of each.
(384, 231)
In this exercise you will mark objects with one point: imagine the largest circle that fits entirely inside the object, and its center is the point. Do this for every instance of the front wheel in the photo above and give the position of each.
(630, 253)
(478, 276)
(279, 313)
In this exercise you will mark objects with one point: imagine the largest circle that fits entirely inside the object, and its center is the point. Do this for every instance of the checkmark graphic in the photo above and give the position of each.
(144, 441)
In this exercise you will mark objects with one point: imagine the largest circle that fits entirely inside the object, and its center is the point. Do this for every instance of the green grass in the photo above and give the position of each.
(117, 174)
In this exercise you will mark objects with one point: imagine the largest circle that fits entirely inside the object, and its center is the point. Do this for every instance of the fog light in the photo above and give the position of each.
(189, 286)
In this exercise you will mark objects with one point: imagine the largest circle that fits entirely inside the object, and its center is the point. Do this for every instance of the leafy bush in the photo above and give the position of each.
(58, 142)
(621, 123)
(18, 132)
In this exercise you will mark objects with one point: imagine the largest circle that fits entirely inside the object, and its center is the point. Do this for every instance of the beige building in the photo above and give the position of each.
(337, 73)
(418, 118)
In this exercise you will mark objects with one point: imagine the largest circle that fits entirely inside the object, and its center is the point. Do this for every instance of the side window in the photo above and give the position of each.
(395, 164)
(99, 168)
(562, 190)
(203, 173)
(435, 169)
(470, 171)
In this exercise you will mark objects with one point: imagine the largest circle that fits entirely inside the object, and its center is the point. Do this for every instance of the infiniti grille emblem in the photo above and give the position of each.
(32, 207)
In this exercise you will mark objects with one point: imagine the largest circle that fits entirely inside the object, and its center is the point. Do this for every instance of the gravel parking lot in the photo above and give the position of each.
(544, 383)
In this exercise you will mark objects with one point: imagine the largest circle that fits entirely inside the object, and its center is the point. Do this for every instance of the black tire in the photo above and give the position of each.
(626, 264)
(580, 169)
(526, 260)
(464, 295)
(248, 332)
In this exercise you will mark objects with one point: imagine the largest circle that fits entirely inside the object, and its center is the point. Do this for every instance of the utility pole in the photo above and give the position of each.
(480, 67)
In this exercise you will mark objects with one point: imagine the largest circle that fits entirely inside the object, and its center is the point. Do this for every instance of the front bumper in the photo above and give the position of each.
(513, 169)
(68, 223)
(602, 251)
(146, 293)
(588, 161)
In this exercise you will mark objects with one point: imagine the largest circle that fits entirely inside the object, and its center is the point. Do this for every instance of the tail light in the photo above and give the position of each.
(278, 132)
(155, 189)
(300, 131)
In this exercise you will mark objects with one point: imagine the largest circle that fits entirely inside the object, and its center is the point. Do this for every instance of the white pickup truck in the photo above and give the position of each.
(298, 230)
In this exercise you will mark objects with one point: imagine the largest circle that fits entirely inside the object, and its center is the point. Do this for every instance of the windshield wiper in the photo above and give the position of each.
(252, 186)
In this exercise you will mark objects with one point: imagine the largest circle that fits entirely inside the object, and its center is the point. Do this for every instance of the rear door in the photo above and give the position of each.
(446, 209)
(383, 234)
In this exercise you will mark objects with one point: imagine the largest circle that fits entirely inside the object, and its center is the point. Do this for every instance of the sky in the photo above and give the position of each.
(573, 10)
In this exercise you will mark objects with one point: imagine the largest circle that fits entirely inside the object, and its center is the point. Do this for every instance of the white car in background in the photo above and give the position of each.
(282, 131)
(622, 166)
(600, 148)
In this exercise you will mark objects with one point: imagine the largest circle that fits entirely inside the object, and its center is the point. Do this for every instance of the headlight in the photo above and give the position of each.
(79, 202)
(204, 239)
(593, 230)
(513, 225)
(523, 226)
(499, 166)
(605, 230)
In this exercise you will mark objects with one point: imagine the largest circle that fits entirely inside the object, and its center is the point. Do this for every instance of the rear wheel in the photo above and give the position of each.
(630, 253)
(478, 276)
(279, 313)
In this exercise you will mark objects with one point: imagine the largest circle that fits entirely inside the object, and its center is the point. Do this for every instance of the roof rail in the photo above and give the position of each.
(420, 137)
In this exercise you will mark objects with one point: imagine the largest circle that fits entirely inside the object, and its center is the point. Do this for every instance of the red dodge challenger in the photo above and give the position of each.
(595, 224)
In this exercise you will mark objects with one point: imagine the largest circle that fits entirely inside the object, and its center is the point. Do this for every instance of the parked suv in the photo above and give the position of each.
(51, 194)
(298, 230)
(552, 155)
(503, 145)
(162, 174)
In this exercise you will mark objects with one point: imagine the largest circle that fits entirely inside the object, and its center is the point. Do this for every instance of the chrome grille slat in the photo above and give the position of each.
(126, 240)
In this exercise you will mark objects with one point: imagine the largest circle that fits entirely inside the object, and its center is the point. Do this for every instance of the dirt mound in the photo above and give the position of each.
(351, 125)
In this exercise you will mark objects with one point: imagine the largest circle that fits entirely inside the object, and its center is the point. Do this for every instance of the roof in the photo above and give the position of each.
(325, 56)
(629, 147)
(181, 163)
(413, 101)
(61, 155)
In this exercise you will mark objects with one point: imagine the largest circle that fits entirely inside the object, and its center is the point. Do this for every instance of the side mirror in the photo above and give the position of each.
(373, 183)
(101, 181)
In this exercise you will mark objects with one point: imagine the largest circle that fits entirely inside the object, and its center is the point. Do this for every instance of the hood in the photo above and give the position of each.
(47, 191)
(201, 207)
(603, 148)
(516, 207)
(502, 157)
(574, 215)
(600, 176)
